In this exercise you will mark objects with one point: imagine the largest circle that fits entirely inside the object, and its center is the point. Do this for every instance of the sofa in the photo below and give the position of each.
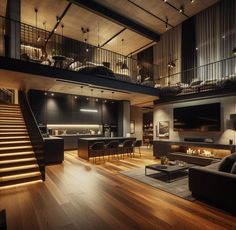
(216, 183)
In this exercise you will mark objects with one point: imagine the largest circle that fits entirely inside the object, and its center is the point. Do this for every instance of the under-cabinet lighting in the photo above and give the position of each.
(89, 110)
(72, 126)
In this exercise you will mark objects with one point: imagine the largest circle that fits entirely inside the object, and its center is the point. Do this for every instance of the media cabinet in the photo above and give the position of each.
(199, 153)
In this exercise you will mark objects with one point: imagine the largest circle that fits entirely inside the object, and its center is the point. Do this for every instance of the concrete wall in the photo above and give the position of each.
(228, 106)
(136, 115)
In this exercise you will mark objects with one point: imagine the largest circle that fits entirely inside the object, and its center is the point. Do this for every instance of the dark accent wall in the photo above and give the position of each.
(145, 63)
(188, 49)
(65, 109)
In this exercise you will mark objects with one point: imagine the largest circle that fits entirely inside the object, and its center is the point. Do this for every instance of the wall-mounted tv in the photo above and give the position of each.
(198, 118)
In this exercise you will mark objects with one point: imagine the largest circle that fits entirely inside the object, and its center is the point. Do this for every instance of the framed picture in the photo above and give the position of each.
(132, 127)
(163, 129)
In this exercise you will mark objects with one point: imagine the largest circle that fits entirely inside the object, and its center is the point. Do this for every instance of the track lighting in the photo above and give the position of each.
(181, 9)
(166, 23)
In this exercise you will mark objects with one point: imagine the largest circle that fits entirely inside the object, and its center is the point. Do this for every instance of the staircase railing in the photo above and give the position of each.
(34, 132)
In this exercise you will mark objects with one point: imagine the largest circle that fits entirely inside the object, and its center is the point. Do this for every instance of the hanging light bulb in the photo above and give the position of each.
(124, 64)
(36, 24)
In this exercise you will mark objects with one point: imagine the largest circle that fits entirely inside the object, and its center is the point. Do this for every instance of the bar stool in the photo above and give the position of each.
(97, 149)
(137, 144)
(112, 148)
(126, 147)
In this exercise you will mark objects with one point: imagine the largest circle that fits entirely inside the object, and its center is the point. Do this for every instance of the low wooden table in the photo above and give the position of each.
(168, 169)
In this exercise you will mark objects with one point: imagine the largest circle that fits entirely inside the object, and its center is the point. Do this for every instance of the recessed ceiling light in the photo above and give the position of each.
(52, 94)
(87, 98)
(75, 97)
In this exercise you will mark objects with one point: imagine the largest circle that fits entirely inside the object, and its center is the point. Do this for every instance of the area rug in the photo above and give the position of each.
(178, 186)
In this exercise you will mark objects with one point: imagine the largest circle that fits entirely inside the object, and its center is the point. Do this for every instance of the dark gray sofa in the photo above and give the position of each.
(213, 186)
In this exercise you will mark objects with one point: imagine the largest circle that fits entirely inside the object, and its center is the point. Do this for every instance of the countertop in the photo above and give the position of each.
(52, 138)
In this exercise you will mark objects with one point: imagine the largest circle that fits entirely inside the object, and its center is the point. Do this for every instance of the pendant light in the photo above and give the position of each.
(234, 51)
(36, 24)
(124, 64)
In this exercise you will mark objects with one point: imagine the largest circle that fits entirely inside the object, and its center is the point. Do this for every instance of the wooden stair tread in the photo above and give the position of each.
(15, 142)
(17, 160)
(19, 171)
(19, 176)
(23, 181)
(15, 147)
(16, 153)
(16, 168)
(15, 138)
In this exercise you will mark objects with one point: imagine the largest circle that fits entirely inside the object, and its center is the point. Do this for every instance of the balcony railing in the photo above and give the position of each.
(43, 47)
(28, 43)
(220, 75)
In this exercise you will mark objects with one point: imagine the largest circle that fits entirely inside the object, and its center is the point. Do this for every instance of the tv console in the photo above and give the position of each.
(200, 153)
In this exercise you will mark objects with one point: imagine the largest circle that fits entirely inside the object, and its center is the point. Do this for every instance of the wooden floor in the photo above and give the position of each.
(79, 195)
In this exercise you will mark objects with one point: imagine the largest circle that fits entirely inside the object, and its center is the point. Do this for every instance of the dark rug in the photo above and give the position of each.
(178, 185)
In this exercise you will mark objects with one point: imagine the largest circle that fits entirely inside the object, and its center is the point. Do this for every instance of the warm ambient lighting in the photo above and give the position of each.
(89, 110)
(72, 126)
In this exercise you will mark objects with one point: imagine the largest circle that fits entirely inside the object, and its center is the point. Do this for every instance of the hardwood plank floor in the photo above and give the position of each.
(80, 195)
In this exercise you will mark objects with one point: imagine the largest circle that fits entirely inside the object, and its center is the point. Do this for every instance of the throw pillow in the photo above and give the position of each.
(233, 169)
(227, 163)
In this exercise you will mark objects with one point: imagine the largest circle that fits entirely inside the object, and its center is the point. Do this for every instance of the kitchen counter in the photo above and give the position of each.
(71, 140)
(54, 150)
(85, 143)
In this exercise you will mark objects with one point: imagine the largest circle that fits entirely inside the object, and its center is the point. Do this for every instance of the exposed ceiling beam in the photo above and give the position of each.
(117, 18)
(148, 12)
(59, 21)
(113, 37)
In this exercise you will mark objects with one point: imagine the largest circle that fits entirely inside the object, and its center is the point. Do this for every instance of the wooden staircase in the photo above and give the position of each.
(18, 164)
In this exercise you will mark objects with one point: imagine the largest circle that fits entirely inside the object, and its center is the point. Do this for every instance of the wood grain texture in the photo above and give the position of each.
(80, 195)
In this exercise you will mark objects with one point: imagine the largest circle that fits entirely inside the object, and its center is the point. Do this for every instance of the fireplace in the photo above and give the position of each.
(199, 151)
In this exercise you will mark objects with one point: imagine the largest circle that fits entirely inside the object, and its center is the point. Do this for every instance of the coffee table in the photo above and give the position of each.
(168, 169)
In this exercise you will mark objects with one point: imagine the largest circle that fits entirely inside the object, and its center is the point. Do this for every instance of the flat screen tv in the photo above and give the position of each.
(198, 118)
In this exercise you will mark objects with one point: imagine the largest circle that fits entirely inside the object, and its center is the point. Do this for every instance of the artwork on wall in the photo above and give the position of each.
(163, 129)
(132, 127)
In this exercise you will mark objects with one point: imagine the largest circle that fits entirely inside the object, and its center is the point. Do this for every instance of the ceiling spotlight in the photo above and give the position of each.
(223, 36)
(105, 101)
(87, 98)
(96, 100)
(164, 0)
(45, 93)
(192, 1)
(58, 18)
(52, 94)
(55, 30)
(181, 9)
(196, 48)
(75, 97)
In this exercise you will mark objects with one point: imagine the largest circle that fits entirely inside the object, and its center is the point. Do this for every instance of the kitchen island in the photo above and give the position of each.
(85, 143)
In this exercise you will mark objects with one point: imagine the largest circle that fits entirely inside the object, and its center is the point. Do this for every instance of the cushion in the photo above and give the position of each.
(233, 169)
(195, 83)
(227, 163)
